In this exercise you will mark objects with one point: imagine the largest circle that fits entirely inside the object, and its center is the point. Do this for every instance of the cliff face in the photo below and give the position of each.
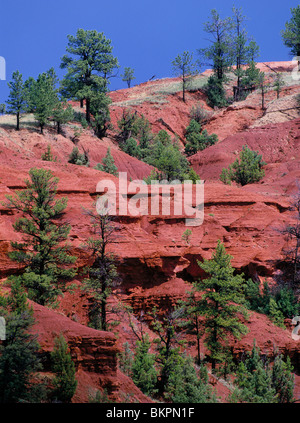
(155, 264)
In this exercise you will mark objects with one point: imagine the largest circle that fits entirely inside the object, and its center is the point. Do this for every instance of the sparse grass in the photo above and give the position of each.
(27, 121)
(157, 94)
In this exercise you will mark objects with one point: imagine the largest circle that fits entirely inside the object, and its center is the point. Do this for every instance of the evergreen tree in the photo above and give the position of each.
(102, 275)
(128, 76)
(44, 98)
(89, 64)
(186, 386)
(291, 33)
(19, 352)
(126, 360)
(245, 170)
(218, 54)
(283, 379)
(108, 164)
(184, 67)
(144, 373)
(62, 113)
(42, 251)
(197, 140)
(64, 382)
(192, 319)
(99, 106)
(243, 53)
(220, 303)
(167, 346)
(17, 97)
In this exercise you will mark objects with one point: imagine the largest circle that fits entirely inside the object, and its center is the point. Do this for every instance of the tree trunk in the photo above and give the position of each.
(88, 110)
(18, 121)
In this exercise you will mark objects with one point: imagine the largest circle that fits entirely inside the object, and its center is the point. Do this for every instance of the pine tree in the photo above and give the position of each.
(89, 65)
(283, 379)
(42, 251)
(44, 98)
(62, 113)
(108, 164)
(64, 382)
(248, 169)
(144, 373)
(167, 346)
(222, 299)
(102, 275)
(218, 54)
(184, 67)
(17, 97)
(291, 33)
(19, 352)
(186, 386)
(128, 76)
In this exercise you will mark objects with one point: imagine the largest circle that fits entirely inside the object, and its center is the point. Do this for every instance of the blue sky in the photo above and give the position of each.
(146, 34)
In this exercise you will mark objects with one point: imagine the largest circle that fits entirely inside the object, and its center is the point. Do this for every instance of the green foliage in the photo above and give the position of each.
(259, 383)
(43, 251)
(278, 84)
(44, 97)
(215, 91)
(245, 170)
(186, 236)
(126, 359)
(62, 113)
(278, 305)
(184, 67)
(89, 65)
(291, 33)
(99, 106)
(221, 303)
(167, 343)
(144, 373)
(186, 385)
(108, 164)
(77, 158)
(19, 352)
(197, 140)
(132, 125)
(17, 97)
(63, 367)
(102, 275)
(128, 76)
(132, 148)
(48, 156)
(218, 54)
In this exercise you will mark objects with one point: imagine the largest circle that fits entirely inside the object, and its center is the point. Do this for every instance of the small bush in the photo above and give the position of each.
(216, 94)
(77, 158)
(245, 170)
(197, 140)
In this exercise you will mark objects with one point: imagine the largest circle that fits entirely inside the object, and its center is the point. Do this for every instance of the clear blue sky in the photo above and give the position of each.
(146, 34)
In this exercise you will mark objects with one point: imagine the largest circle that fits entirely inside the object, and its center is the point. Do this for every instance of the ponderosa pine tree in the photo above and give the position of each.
(62, 113)
(89, 65)
(19, 351)
(218, 54)
(143, 370)
(44, 97)
(291, 33)
(43, 250)
(102, 275)
(128, 76)
(17, 97)
(108, 164)
(184, 67)
(63, 367)
(220, 303)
